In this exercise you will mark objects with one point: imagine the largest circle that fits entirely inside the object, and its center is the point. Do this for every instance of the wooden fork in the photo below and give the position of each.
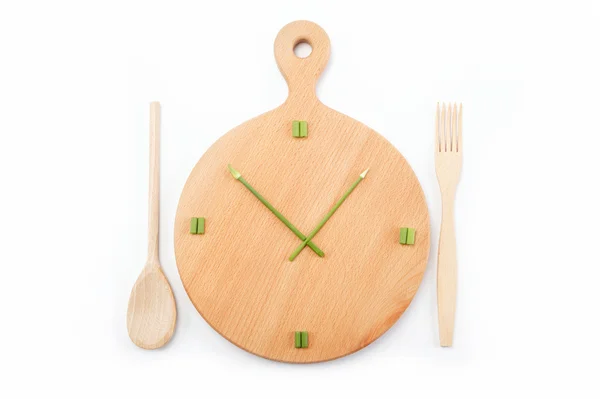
(448, 163)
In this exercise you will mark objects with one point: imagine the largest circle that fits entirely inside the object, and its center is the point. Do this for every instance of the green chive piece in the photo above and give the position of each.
(326, 218)
(403, 234)
(266, 203)
(410, 237)
(193, 225)
(298, 339)
(236, 175)
(200, 226)
(296, 129)
(305, 339)
(303, 129)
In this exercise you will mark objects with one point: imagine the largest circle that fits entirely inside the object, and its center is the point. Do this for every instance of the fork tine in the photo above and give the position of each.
(454, 129)
(448, 133)
(459, 139)
(443, 129)
(451, 130)
(437, 127)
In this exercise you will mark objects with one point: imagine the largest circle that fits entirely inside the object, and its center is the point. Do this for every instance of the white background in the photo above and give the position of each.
(75, 82)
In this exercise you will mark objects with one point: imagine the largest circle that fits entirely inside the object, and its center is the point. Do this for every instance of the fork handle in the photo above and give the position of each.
(446, 273)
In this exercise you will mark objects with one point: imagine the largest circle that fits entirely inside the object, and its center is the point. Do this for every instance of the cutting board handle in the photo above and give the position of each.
(301, 74)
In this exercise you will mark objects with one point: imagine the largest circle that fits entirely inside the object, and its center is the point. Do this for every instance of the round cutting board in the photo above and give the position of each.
(237, 274)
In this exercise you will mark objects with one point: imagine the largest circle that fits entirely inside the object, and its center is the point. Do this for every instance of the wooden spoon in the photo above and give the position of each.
(151, 312)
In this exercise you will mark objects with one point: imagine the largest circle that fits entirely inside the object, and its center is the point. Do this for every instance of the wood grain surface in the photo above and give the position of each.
(238, 274)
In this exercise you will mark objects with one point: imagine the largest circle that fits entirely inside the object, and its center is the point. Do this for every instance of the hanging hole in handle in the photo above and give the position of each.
(301, 74)
(302, 49)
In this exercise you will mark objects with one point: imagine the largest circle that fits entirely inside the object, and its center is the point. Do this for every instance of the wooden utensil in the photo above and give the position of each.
(448, 163)
(151, 312)
(238, 274)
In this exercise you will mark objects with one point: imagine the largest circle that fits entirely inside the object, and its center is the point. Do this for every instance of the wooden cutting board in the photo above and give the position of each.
(237, 274)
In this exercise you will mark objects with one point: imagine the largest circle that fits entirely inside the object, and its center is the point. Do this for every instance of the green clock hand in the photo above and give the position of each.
(326, 218)
(238, 176)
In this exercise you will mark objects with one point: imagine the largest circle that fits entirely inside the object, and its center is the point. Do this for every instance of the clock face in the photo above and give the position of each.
(238, 273)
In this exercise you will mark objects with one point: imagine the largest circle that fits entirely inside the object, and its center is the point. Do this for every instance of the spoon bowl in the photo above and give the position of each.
(151, 313)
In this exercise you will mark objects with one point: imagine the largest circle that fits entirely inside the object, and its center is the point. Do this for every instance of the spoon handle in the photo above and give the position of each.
(154, 192)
